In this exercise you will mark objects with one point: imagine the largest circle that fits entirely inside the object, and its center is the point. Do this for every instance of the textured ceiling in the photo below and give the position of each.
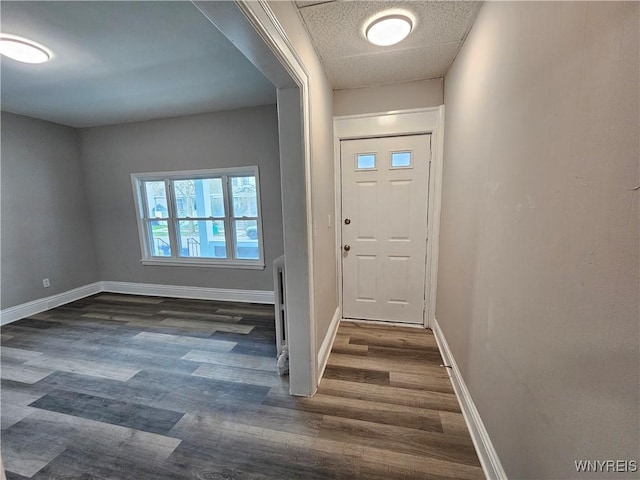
(337, 32)
(117, 62)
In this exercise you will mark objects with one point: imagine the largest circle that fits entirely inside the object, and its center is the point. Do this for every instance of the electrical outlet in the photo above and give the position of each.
(46, 283)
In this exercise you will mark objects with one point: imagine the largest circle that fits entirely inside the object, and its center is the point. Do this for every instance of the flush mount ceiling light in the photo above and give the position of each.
(389, 30)
(23, 50)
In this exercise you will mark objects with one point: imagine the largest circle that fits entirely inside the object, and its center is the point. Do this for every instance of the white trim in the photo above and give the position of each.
(190, 174)
(182, 291)
(24, 310)
(337, 215)
(303, 379)
(433, 225)
(484, 447)
(235, 264)
(398, 122)
(384, 114)
(327, 344)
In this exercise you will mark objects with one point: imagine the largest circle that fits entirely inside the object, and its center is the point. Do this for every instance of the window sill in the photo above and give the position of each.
(236, 264)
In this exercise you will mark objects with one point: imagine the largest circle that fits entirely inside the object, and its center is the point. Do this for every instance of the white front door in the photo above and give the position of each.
(385, 184)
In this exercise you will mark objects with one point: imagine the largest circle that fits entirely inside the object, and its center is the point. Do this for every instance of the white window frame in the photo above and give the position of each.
(137, 180)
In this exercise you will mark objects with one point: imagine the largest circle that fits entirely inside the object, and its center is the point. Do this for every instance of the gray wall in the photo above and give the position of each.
(538, 280)
(45, 225)
(399, 96)
(325, 281)
(222, 139)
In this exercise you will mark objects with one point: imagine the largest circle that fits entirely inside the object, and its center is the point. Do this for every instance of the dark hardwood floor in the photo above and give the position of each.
(130, 387)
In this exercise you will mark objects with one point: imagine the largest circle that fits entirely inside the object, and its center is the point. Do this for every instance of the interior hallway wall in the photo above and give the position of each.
(539, 256)
(111, 154)
(45, 230)
(398, 96)
(325, 281)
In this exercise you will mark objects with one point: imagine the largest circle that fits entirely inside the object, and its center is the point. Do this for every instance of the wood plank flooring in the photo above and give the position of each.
(132, 387)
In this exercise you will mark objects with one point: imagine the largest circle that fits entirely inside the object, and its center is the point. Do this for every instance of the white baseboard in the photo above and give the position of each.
(327, 343)
(23, 310)
(484, 448)
(181, 291)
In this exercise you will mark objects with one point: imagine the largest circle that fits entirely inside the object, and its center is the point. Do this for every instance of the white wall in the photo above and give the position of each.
(45, 224)
(222, 139)
(322, 181)
(539, 252)
(399, 96)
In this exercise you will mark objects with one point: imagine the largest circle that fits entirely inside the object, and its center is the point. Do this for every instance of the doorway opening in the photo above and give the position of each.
(396, 219)
(384, 198)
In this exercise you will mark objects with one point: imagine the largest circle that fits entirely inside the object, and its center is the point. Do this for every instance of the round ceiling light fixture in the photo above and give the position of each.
(389, 30)
(23, 50)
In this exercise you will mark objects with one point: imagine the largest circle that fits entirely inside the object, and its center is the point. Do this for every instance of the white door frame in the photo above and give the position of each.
(254, 29)
(384, 124)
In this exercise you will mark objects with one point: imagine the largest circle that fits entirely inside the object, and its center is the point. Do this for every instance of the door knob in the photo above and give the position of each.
(347, 221)
(347, 248)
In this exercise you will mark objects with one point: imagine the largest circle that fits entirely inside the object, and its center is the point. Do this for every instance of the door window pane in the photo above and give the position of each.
(243, 192)
(246, 236)
(400, 159)
(202, 239)
(366, 161)
(159, 237)
(156, 195)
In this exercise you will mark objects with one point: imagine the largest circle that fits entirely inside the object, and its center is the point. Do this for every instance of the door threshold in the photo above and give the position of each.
(387, 324)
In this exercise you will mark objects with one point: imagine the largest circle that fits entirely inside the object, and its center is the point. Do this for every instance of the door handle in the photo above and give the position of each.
(347, 248)
(347, 221)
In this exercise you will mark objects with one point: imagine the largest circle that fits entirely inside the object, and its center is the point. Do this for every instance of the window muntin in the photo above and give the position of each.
(200, 218)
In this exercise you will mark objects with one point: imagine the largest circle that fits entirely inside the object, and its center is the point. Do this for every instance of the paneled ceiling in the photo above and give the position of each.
(117, 62)
(337, 32)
